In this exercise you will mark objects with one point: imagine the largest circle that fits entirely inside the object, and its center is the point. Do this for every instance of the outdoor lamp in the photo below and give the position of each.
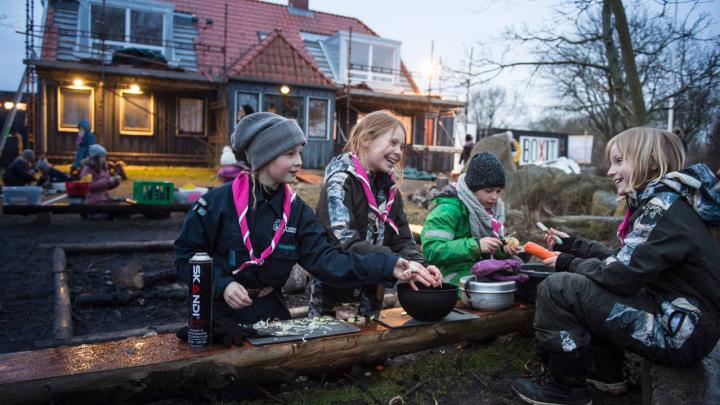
(9, 105)
(284, 90)
(78, 82)
(134, 88)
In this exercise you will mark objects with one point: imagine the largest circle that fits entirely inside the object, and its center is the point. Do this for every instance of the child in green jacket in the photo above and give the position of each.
(466, 222)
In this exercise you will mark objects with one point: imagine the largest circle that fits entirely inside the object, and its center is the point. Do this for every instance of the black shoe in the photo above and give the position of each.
(544, 390)
(608, 379)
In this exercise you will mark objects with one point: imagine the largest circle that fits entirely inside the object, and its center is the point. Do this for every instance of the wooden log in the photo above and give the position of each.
(111, 247)
(133, 369)
(108, 336)
(110, 209)
(62, 323)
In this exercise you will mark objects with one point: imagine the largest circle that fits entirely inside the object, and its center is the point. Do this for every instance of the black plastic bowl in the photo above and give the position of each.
(428, 304)
(537, 272)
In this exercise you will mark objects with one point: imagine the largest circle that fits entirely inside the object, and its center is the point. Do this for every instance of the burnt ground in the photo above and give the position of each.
(26, 299)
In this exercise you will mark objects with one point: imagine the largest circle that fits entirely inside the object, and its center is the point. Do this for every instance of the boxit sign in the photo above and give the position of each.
(538, 149)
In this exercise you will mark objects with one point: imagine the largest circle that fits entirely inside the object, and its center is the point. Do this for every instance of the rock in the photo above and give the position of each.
(441, 182)
(500, 146)
(604, 203)
(129, 276)
(297, 281)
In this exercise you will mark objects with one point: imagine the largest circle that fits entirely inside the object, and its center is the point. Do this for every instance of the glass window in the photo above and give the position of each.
(136, 114)
(317, 125)
(383, 58)
(289, 107)
(419, 130)
(246, 103)
(74, 105)
(191, 116)
(146, 28)
(359, 56)
(114, 26)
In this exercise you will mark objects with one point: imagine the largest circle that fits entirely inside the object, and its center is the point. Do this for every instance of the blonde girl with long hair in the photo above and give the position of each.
(362, 209)
(656, 296)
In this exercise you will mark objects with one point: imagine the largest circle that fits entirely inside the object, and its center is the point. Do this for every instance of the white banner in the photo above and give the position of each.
(538, 149)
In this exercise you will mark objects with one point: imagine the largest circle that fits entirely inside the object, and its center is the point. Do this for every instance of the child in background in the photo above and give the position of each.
(657, 296)
(49, 174)
(96, 166)
(362, 209)
(256, 229)
(229, 166)
(466, 223)
(21, 171)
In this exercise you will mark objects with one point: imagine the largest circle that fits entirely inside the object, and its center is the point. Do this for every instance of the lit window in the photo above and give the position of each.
(318, 120)
(137, 112)
(75, 105)
(191, 116)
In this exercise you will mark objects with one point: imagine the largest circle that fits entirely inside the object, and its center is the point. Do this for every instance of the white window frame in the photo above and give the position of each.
(166, 9)
(91, 118)
(387, 79)
(327, 118)
(136, 131)
(181, 134)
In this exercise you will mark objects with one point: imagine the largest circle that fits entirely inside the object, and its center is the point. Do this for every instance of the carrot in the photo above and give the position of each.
(539, 251)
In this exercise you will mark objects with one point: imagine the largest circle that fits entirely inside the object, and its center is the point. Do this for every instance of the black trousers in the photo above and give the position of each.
(572, 310)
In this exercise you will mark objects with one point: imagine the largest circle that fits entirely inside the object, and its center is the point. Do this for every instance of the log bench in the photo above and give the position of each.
(110, 209)
(671, 386)
(140, 368)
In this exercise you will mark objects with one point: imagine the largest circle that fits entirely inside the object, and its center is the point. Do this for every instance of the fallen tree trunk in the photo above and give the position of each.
(112, 247)
(62, 322)
(145, 368)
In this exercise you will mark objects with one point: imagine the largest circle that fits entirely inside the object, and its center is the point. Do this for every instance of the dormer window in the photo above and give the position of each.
(372, 62)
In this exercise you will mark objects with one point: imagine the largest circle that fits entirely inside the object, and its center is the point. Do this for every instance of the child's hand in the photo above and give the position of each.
(549, 239)
(489, 244)
(236, 296)
(510, 250)
(413, 271)
(550, 261)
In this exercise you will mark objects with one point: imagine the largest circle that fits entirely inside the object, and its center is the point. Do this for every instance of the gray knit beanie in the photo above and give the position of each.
(485, 170)
(263, 136)
(97, 150)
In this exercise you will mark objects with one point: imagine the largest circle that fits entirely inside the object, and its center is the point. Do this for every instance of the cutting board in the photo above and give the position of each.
(394, 318)
(303, 328)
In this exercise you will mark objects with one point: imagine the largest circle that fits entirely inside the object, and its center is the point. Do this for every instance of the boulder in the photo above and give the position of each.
(129, 276)
(297, 281)
(587, 226)
(499, 145)
(604, 203)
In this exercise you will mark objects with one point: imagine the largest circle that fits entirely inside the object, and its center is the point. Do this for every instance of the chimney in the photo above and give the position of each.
(299, 4)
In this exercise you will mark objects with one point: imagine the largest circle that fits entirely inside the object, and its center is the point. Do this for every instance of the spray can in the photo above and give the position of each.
(200, 301)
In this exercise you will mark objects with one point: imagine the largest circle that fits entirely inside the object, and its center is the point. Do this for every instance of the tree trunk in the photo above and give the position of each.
(616, 84)
(639, 114)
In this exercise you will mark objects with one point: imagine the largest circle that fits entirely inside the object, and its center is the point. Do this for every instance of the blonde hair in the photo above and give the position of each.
(372, 126)
(652, 152)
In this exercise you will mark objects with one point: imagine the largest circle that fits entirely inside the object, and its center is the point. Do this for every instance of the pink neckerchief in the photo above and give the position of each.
(241, 197)
(624, 228)
(365, 181)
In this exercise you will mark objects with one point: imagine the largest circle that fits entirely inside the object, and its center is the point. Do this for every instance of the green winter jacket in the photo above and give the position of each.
(447, 241)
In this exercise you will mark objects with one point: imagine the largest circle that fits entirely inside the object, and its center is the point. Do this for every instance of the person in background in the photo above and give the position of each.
(229, 165)
(96, 166)
(49, 174)
(21, 171)
(467, 149)
(84, 140)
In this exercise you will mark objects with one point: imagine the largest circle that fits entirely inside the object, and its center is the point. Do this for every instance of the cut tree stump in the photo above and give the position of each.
(152, 367)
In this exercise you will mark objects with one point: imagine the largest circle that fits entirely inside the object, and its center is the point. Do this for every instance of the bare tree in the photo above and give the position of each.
(614, 65)
(491, 107)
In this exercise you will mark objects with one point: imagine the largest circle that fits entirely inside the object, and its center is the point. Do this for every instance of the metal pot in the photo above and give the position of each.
(487, 295)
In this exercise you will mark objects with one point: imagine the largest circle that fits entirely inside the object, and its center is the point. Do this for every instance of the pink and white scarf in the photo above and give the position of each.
(241, 198)
(383, 215)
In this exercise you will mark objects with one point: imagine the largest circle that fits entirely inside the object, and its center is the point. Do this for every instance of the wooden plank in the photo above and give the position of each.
(110, 209)
(62, 323)
(107, 247)
(416, 230)
(309, 177)
(129, 368)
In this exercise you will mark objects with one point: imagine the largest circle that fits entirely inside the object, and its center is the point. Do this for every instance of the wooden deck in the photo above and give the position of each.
(132, 368)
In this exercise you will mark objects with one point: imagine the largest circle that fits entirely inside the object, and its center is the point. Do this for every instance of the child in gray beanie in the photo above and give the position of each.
(256, 235)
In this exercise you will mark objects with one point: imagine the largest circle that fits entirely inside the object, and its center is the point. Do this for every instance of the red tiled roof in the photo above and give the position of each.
(248, 17)
(277, 60)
